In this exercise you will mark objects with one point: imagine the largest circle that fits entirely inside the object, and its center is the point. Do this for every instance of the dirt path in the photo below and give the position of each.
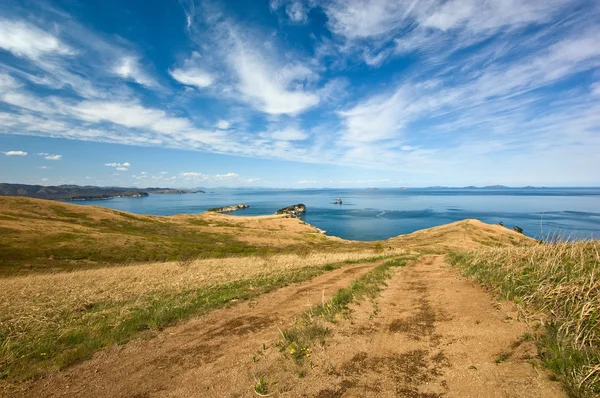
(206, 356)
(431, 333)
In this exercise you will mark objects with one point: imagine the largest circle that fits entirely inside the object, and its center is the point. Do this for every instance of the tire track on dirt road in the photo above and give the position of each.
(431, 333)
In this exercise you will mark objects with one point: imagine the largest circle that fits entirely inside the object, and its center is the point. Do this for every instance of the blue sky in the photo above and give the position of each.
(296, 94)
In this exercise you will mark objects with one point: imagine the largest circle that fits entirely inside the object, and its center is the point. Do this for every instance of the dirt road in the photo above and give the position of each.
(431, 333)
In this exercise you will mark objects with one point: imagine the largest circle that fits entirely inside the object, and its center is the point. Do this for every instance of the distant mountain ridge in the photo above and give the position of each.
(76, 192)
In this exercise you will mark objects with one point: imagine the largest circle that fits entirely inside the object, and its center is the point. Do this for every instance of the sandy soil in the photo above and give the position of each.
(431, 333)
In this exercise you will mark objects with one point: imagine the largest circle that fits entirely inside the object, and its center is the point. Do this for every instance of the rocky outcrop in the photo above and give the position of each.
(292, 211)
(227, 209)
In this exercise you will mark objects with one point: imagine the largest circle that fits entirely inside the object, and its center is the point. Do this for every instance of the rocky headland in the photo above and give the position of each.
(228, 209)
(293, 211)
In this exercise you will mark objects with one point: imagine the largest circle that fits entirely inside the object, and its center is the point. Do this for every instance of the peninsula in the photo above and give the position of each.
(228, 209)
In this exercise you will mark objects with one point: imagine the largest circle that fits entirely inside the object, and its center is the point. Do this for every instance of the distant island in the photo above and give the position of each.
(485, 187)
(82, 193)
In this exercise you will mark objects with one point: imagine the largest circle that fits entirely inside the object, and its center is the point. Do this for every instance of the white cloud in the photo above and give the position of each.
(193, 73)
(129, 68)
(7, 83)
(26, 40)
(296, 10)
(44, 179)
(377, 118)
(223, 124)
(133, 116)
(595, 89)
(480, 16)
(49, 156)
(407, 148)
(357, 19)
(367, 28)
(15, 153)
(119, 166)
(193, 176)
(226, 176)
(306, 182)
(192, 76)
(288, 134)
(269, 87)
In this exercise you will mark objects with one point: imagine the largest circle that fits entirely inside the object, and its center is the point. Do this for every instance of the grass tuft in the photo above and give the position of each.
(311, 327)
(559, 285)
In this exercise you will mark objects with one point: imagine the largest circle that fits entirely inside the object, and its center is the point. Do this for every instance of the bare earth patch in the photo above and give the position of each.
(430, 334)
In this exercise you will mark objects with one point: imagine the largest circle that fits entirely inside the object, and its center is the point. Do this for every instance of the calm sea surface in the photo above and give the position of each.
(380, 214)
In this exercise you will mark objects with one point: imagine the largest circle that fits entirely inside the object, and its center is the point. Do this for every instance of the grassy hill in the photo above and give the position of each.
(49, 236)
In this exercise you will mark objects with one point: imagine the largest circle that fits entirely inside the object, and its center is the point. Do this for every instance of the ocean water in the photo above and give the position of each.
(380, 214)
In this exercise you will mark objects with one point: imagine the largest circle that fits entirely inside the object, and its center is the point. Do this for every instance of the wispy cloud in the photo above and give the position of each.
(192, 73)
(49, 156)
(15, 153)
(129, 68)
(26, 40)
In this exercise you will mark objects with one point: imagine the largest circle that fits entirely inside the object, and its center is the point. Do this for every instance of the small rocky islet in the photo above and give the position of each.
(293, 211)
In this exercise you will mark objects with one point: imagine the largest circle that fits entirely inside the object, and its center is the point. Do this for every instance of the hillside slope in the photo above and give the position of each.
(46, 235)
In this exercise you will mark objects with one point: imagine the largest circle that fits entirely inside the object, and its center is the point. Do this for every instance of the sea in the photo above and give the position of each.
(374, 214)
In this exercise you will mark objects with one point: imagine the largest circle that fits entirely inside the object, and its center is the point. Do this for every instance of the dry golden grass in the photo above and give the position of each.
(52, 320)
(42, 298)
(460, 235)
(559, 285)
